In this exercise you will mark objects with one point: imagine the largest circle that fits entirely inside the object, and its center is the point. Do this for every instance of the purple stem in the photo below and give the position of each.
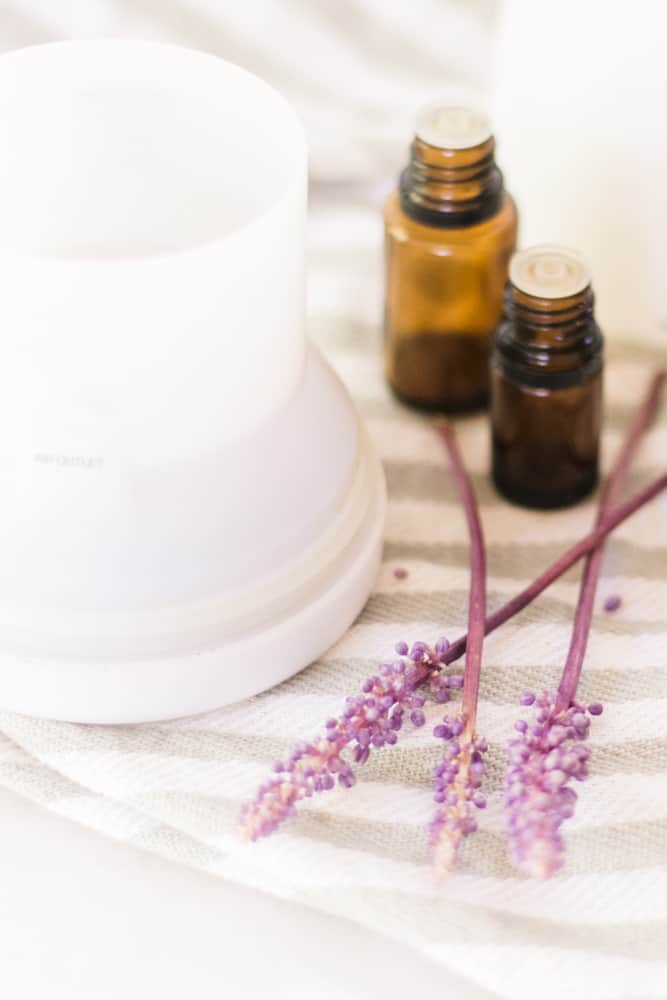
(477, 597)
(562, 564)
(591, 573)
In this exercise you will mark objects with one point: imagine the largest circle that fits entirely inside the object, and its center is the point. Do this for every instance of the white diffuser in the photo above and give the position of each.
(191, 511)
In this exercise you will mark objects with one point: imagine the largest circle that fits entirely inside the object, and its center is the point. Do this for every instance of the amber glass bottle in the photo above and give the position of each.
(546, 382)
(450, 230)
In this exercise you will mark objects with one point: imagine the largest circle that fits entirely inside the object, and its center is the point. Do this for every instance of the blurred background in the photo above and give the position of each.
(355, 70)
(577, 92)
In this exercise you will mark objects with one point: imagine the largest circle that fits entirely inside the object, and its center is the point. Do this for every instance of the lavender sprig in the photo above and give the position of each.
(370, 720)
(273, 803)
(564, 562)
(458, 777)
(550, 753)
(544, 758)
(615, 485)
(456, 786)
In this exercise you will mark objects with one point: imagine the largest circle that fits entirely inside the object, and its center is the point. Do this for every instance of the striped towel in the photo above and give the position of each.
(599, 928)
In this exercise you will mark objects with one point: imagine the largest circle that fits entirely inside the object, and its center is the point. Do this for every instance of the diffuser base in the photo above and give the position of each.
(150, 689)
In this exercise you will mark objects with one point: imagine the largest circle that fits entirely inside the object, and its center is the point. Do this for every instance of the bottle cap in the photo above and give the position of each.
(452, 127)
(549, 272)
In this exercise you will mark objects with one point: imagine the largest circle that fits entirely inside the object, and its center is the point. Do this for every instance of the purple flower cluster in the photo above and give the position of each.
(370, 720)
(456, 785)
(545, 756)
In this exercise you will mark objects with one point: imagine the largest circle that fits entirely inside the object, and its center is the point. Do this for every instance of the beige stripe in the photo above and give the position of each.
(203, 817)
(516, 561)
(523, 644)
(500, 682)
(422, 481)
(428, 521)
(413, 440)
(446, 921)
(212, 810)
(431, 481)
(452, 605)
(363, 374)
(595, 849)
(628, 847)
(38, 782)
(642, 600)
(174, 845)
(409, 762)
(381, 405)
(634, 896)
(288, 713)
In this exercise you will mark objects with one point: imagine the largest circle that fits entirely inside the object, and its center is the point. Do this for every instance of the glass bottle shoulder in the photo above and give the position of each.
(400, 227)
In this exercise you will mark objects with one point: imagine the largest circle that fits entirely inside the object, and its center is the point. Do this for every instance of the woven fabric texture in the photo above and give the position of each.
(597, 929)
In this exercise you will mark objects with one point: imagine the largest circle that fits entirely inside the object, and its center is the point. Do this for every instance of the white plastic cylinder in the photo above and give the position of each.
(152, 203)
(182, 478)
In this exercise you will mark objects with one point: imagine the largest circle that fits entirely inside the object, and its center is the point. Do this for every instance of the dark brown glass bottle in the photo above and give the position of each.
(450, 230)
(546, 382)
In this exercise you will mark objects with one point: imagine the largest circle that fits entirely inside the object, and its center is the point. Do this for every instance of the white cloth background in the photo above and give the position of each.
(355, 70)
(599, 929)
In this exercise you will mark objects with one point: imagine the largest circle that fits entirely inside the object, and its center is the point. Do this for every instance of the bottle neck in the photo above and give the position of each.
(546, 339)
(451, 188)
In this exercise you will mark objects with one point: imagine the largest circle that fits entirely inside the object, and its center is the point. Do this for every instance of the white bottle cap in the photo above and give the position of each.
(452, 127)
(549, 272)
